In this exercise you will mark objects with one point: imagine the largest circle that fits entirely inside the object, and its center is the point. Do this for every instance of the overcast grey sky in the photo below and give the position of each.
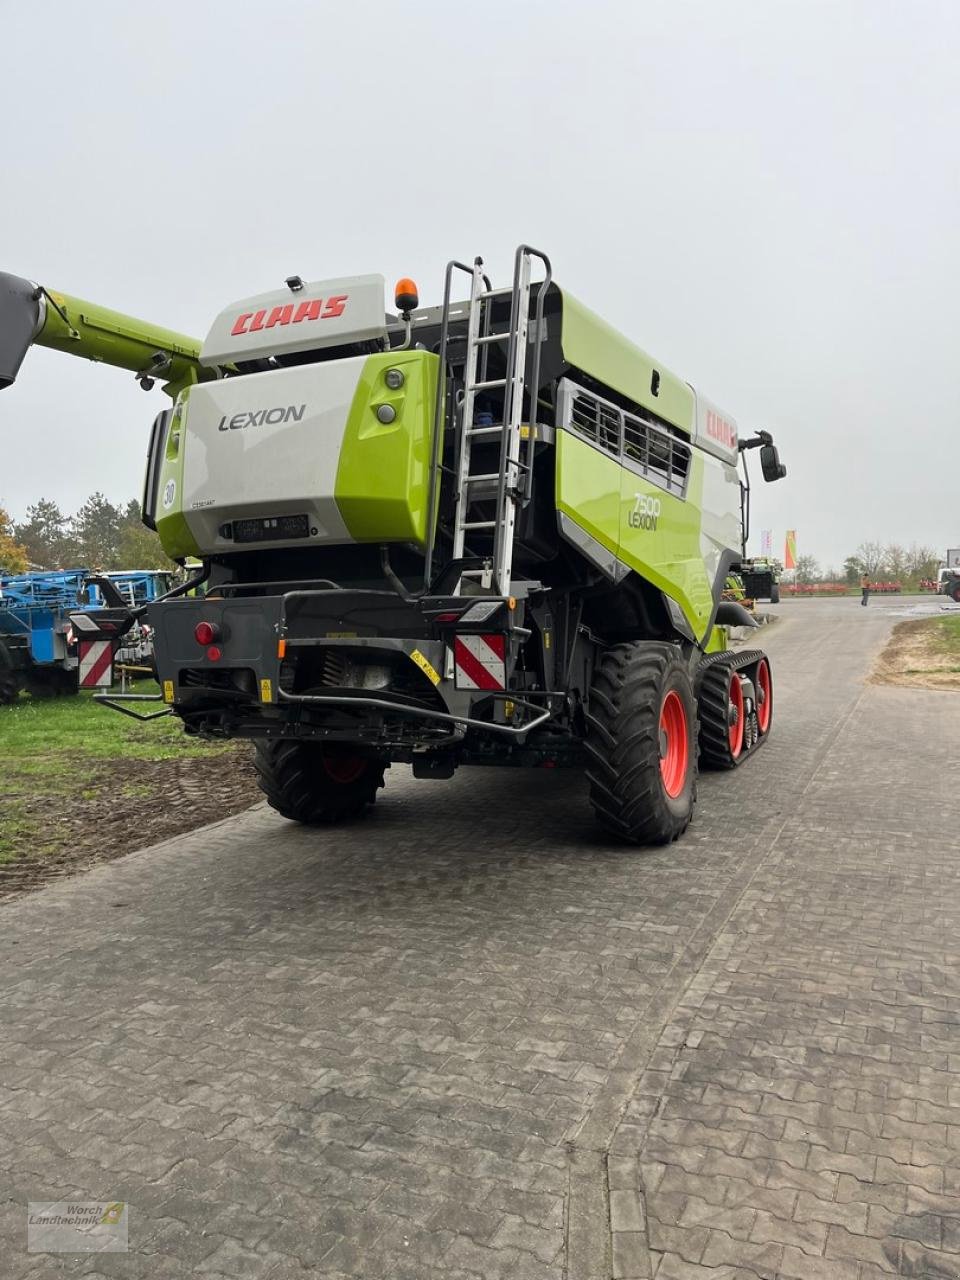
(763, 193)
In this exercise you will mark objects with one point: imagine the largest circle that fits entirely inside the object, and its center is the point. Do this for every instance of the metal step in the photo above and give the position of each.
(485, 431)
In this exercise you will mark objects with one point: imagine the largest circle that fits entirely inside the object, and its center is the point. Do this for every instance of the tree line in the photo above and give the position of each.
(100, 536)
(881, 563)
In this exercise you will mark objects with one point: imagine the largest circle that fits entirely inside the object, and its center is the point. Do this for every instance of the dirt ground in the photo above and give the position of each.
(914, 657)
(131, 804)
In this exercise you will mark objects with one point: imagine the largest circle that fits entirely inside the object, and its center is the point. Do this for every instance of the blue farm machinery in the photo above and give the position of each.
(45, 653)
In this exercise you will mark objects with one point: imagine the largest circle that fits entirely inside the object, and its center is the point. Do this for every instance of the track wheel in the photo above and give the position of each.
(642, 743)
(726, 733)
(312, 783)
(763, 682)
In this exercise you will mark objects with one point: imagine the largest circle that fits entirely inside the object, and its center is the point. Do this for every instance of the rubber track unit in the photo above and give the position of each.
(292, 777)
(623, 742)
(713, 682)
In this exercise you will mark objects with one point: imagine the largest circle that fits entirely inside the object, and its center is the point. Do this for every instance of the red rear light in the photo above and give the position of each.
(447, 617)
(214, 653)
(206, 632)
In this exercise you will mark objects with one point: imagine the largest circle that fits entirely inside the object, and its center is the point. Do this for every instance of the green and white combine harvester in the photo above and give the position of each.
(488, 532)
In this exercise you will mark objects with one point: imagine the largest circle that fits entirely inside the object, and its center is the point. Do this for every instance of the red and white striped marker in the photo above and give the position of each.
(480, 662)
(96, 664)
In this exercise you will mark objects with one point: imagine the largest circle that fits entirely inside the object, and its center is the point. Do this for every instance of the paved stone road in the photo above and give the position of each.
(470, 1038)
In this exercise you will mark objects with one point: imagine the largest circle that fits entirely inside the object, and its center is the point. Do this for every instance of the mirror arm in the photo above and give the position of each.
(756, 442)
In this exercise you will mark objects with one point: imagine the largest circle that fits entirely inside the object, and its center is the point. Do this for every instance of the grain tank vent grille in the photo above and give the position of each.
(642, 446)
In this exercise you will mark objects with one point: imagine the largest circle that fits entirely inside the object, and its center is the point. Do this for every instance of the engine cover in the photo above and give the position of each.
(324, 313)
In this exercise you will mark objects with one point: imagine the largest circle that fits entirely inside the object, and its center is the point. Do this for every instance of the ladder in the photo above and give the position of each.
(510, 486)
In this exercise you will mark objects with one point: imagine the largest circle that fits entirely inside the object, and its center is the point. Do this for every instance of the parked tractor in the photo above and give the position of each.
(488, 532)
(761, 578)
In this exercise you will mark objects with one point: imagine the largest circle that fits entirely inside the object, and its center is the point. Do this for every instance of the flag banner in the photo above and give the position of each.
(766, 542)
(790, 551)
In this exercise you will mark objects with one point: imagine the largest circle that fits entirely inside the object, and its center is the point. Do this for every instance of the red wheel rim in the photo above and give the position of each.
(764, 695)
(674, 747)
(344, 769)
(735, 715)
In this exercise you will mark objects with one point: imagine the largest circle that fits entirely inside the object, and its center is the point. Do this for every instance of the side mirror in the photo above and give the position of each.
(770, 464)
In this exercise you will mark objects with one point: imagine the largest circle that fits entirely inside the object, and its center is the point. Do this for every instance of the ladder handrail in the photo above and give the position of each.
(537, 348)
(432, 515)
(510, 461)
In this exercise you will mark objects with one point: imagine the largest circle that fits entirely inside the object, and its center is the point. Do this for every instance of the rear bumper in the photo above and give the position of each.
(359, 666)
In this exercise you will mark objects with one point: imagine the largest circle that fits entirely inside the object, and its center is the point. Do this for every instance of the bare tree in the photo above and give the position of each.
(922, 562)
(808, 570)
(895, 561)
(871, 558)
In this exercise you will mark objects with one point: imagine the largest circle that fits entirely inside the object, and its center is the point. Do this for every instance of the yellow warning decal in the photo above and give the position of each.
(168, 690)
(424, 665)
(266, 690)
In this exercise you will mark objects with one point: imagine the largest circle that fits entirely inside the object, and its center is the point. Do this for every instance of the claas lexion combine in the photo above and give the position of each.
(492, 531)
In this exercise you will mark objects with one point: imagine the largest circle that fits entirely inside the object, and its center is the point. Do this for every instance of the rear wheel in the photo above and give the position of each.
(775, 593)
(313, 783)
(642, 743)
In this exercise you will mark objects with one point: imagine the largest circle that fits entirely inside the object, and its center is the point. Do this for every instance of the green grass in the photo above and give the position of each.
(54, 748)
(946, 636)
(36, 733)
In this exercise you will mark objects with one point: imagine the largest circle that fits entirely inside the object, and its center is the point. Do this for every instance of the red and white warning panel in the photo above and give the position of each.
(480, 662)
(96, 664)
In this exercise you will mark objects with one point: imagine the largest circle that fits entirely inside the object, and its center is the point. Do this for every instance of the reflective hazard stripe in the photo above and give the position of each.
(96, 663)
(480, 662)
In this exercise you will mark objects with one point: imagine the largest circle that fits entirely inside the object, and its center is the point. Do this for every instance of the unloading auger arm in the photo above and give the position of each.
(31, 313)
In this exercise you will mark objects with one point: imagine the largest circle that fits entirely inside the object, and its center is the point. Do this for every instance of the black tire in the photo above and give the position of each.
(9, 686)
(54, 682)
(775, 593)
(312, 783)
(955, 593)
(9, 678)
(630, 691)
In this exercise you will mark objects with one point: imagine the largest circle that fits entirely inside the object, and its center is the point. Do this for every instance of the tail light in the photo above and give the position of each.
(205, 633)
